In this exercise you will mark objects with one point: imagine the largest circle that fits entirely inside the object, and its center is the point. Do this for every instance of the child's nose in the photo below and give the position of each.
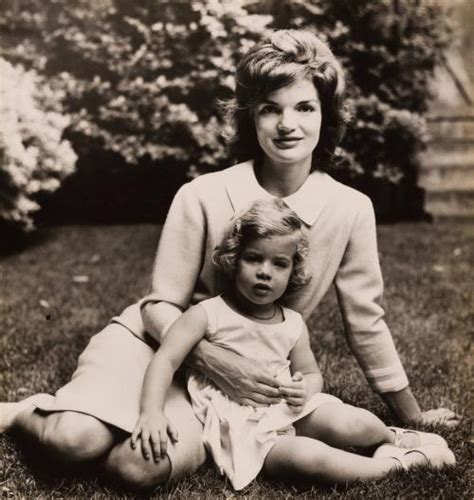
(264, 271)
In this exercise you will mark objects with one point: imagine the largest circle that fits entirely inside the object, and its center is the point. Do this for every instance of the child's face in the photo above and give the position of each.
(264, 268)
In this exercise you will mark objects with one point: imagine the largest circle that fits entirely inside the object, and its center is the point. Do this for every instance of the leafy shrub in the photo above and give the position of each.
(389, 49)
(141, 78)
(33, 156)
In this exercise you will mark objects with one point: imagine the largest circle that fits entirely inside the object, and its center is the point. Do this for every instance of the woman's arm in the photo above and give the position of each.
(243, 380)
(359, 287)
(178, 262)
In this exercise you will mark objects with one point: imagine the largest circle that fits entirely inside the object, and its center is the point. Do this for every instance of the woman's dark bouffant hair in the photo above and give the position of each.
(263, 219)
(286, 56)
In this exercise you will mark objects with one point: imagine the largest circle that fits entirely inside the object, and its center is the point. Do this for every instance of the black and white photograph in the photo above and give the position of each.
(236, 249)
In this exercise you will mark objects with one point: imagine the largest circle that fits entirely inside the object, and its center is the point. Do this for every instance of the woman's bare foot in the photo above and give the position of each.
(10, 411)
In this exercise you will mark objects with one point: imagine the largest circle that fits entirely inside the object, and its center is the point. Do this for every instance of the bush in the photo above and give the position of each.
(389, 49)
(33, 156)
(141, 78)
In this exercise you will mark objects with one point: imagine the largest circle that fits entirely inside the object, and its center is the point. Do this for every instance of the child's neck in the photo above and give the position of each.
(262, 313)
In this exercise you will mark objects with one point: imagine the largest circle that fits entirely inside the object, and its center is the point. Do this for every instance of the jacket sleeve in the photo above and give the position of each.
(359, 288)
(178, 260)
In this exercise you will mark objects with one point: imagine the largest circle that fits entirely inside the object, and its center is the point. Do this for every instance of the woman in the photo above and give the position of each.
(289, 114)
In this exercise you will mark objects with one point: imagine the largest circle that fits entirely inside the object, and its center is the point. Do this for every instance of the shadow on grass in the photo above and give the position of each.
(13, 241)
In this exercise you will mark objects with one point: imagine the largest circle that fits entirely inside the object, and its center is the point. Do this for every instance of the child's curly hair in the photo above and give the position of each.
(263, 219)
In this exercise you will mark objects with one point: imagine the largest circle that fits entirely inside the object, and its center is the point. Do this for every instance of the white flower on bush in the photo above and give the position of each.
(33, 157)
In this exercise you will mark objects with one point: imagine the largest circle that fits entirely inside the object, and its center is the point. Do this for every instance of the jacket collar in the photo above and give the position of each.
(308, 202)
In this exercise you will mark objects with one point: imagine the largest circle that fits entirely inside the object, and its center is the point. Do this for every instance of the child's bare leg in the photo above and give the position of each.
(298, 458)
(344, 425)
(69, 437)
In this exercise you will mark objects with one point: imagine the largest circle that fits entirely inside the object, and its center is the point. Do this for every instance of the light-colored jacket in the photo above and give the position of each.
(343, 251)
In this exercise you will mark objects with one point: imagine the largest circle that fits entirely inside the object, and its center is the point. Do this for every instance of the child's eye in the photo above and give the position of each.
(283, 264)
(250, 257)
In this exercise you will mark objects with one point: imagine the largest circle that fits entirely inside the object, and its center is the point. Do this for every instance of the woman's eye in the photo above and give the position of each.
(267, 109)
(306, 108)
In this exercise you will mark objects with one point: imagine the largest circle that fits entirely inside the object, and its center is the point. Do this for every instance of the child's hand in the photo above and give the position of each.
(295, 392)
(153, 429)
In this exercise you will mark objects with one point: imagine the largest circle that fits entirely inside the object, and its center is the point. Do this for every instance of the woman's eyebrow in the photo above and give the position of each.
(306, 101)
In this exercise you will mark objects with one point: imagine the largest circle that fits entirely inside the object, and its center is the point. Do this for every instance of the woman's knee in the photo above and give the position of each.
(127, 466)
(75, 437)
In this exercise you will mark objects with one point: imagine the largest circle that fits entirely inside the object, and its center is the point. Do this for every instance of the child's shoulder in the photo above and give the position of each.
(292, 315)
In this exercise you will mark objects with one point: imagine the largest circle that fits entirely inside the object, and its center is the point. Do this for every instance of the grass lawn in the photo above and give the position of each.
(46, 319)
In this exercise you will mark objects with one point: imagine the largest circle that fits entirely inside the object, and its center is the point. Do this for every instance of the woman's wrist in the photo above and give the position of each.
(202, 358)
(403, 404)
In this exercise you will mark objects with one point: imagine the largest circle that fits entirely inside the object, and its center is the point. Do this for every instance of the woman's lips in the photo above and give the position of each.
(286, 142)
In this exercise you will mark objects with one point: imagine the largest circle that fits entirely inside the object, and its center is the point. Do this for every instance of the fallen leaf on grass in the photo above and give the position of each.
(44, 303)
(80, 278)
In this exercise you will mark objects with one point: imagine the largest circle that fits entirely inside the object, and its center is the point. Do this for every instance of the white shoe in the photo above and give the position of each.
(435, 456)
(404, 438)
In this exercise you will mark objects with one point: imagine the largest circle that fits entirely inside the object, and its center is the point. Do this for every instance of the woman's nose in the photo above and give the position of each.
(287, 122)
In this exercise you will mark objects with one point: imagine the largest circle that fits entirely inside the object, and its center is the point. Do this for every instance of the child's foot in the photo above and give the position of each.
(433, 455)
(10, 411)
(407, 438)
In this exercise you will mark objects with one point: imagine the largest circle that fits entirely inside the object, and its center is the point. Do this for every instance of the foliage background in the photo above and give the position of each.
(33, 157)
(140, 81)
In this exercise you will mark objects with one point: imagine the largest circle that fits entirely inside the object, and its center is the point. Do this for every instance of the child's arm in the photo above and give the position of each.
(152, 426)
(307, 379)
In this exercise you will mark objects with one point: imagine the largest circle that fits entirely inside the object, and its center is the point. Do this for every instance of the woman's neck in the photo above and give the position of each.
(282, 180)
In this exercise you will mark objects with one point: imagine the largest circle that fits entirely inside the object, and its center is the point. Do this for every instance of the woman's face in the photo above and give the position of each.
(288, 123)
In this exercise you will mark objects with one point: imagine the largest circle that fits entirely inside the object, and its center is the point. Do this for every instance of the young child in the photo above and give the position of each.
(263, 254)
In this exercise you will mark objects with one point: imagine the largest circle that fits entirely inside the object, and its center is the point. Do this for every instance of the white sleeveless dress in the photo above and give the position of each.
(240, 437)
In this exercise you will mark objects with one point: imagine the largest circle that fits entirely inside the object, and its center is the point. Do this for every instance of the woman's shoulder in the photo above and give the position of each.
(345, 193)
(218, 179)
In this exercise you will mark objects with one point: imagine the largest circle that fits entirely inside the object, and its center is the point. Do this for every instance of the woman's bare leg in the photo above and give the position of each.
(343, 425)
(128, 466)
(298, 458)
(69, 437)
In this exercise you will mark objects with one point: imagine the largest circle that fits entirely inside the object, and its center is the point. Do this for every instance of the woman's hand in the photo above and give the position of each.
(440, 416)
(244, 380)
(153, 429)
(295, 392)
